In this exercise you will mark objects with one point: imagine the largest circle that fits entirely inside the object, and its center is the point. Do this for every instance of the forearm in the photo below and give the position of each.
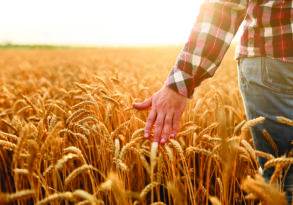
(209, 40)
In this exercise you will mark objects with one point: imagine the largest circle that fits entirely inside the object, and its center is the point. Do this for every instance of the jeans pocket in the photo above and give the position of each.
(249, 71)
(277, 75)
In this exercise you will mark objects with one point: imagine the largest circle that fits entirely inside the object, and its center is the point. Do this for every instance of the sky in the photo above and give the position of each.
(97, 22)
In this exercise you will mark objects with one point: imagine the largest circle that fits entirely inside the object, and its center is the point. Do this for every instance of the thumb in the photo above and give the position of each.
(143, 105)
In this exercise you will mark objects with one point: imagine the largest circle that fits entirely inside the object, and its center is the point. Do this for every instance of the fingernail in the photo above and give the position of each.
(163, 140)
(172, 135)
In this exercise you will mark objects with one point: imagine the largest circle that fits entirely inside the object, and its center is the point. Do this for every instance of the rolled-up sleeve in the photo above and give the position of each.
(212, 33)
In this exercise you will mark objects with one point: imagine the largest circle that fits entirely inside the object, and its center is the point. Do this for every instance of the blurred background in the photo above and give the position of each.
(97, 22)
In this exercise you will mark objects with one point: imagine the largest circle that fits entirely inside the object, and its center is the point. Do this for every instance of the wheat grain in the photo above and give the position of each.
(117, 148)
(177, 147)
(265, 192)
(8, 136)
(72, 117)
(76, 172)
(264, 155)
(158, 203)
(251, 123)
(120, 165)
(137, 133)
(57, 196)
(197, 150)
(169, 152)
(190, 130)
(109, 99)
(281, 160)
(214, 200)
(85, 196)
(84, 104)
(268, 138)
(7, 144)
(16, 197)
(285, 120)
(126, 147)
(249, 149)
(77, 115)
(61, 162)
(147, 189)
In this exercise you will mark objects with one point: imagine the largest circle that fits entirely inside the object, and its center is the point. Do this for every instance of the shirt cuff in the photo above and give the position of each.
(181, 82)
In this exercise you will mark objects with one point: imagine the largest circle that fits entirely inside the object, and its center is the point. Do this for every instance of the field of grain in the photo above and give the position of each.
(69, 134)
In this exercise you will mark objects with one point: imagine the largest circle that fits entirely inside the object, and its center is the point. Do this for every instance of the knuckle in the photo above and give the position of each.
(167, 129)
(176, 120)
(148, 126)
(177, 114)
(150, 120)
(168, 120)
(159, 123)
(175, 127)
(158, 129)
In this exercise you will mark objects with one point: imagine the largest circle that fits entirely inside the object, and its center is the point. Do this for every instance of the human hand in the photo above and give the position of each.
(167, 107)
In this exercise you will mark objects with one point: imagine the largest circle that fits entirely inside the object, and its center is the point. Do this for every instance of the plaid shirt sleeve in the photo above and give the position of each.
(215, 27)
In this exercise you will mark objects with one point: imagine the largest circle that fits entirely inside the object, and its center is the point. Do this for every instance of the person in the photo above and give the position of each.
(265, 71)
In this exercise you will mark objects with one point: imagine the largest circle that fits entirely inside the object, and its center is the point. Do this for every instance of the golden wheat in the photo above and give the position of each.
(69, 133)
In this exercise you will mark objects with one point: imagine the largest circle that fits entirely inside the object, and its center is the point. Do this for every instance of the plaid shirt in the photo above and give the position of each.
(268, 27)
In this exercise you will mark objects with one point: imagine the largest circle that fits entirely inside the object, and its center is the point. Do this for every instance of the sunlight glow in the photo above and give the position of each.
(97, 22)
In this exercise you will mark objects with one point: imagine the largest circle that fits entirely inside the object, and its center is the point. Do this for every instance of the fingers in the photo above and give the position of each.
(143, 105)
(149, 123)
(175, 124)
(167, 128)
(158, 126)
(166, 125)
(166, 109)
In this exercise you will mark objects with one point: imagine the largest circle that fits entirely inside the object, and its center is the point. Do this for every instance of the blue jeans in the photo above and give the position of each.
(266, 87)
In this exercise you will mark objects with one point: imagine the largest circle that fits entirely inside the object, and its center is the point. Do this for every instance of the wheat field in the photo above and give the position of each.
(69, 134)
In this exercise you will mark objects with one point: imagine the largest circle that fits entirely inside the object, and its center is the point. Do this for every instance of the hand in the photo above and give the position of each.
(167, 107)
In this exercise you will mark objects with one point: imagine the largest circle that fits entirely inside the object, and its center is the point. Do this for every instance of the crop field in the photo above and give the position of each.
(69, 134)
